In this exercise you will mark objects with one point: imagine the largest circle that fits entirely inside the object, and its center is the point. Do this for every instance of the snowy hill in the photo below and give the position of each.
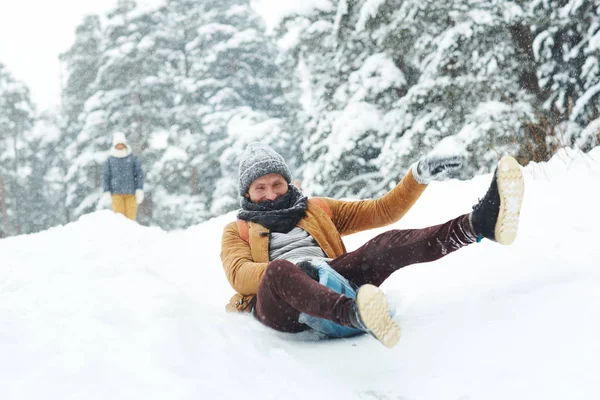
(106, 309)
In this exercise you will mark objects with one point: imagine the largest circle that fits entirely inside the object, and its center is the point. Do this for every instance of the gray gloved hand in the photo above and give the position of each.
(106, 200)
(139, 196)
(435, 168)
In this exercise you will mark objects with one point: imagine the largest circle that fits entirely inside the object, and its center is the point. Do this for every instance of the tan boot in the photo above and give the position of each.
(372, 315)
(496, 216)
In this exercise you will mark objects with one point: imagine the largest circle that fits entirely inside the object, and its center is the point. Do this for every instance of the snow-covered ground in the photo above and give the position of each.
(106, 309)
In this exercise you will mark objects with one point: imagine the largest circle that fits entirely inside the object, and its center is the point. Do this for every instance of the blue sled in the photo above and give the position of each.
(336, 282)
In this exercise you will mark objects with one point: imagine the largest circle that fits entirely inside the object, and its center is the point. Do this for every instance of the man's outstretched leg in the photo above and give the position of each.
(285, 291)
(495, 217)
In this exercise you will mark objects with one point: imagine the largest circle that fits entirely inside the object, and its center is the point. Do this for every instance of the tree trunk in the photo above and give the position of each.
(195, 182)
(521, 36)
(3, 211)
(17, 200)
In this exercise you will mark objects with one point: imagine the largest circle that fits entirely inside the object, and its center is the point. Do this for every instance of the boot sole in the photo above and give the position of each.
(374, 312)
(511, 188)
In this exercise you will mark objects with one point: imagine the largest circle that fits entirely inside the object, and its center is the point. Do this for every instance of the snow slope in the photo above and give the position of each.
(106, 309)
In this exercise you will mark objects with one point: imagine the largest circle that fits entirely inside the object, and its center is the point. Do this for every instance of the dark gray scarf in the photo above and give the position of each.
(279, 215)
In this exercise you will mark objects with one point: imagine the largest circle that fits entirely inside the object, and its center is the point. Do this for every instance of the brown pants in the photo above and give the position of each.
(285, 290)
(125, 204)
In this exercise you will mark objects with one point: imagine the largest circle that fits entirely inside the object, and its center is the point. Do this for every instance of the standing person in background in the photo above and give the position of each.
(123, 178)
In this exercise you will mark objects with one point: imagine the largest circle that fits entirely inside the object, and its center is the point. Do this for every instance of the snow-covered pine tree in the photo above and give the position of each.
(17, 116)
(131, 94)
(462, 70)
(336, 120)
(190, 83)
(567, 49)
(228, 94)
(43, 151)
(81, 63)
(369, 82)
(172, 184)
(384, 82)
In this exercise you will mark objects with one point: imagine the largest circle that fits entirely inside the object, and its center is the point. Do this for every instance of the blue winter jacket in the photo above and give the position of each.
(123, 175)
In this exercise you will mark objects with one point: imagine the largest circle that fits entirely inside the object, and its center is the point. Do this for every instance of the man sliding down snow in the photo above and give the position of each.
(287, 262)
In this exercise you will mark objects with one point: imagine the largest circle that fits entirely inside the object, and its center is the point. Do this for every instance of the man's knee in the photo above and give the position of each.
(279, 267)
(278, 270)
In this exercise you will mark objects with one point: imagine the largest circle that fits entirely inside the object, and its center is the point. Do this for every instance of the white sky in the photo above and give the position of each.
(34, 32)
(32, 35)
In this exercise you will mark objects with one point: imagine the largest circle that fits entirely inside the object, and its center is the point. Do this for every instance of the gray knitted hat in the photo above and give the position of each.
(258, 160)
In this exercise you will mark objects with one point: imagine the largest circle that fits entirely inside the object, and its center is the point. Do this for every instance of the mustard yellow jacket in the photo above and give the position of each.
(245, 263)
